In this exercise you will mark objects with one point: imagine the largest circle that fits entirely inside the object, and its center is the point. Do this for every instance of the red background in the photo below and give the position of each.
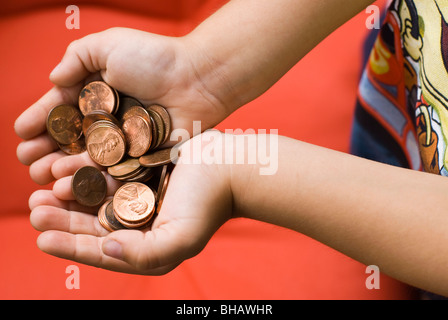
(245, 259)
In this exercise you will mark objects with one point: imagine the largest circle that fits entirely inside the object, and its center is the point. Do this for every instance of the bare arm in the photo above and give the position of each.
(378, 214)
(245, 47)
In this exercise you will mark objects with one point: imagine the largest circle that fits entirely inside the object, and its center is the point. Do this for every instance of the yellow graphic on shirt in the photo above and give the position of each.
(427, 49)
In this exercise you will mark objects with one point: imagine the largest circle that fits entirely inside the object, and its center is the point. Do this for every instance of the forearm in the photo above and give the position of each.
(247, 45)
(377, 214)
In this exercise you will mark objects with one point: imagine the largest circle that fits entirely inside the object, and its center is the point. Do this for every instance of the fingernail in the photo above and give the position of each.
(112, 249)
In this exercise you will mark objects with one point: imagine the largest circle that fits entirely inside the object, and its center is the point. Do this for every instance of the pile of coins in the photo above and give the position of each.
(119, 133)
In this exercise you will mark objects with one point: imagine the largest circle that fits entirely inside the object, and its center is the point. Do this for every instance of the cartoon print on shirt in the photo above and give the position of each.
(408, 66)
(432, 103)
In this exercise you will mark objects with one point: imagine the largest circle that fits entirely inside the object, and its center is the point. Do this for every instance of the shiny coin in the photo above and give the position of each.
(136, 111)
(159, 157)
(124, 168)
(107, 218)
(143, 176)
(162, 191)
(160, 126)
(102, 216)
(134, 204)
(89, 186)
(97, 95)
(64, 124)
(155, 134)
(125, 104)
(161, 181)
(106, 143)
(76, 147)
(138, 133)
(97, 115)
(165, 116)
(117, 100)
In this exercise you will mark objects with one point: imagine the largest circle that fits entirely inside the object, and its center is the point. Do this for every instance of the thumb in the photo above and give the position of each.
(83, 57)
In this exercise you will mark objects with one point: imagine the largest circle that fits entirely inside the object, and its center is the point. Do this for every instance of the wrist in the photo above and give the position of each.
(211, 74)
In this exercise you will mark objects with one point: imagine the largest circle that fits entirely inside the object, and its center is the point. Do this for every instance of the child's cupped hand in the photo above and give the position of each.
(151, 68)
(197, 202)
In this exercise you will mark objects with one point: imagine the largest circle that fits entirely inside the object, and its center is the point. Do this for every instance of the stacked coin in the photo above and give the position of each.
(140, 128)
(106, 143)
(145, 128)
(134, 204)
(132, 207)
(107, 219)
(130, 170)
(121, 134)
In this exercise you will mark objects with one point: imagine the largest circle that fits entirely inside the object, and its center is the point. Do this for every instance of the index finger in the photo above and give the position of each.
(32, 122)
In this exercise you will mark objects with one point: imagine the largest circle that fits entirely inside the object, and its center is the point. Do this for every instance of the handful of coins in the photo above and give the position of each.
(119, 133)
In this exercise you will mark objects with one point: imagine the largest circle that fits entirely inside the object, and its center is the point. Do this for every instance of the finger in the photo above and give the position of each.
(40, 170)
(46, 217)
(32, 122)
(67, 166)
(86, 249)
(83, 57)
(62, 188)
(47, 198)
(31, 150)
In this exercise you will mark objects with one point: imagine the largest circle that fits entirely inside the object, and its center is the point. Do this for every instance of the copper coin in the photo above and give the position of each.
(104, 124)
(160, 126)
(76, 147)
(163, 113)
(89, 186)
(125, 104)
(138, 135)
(159, 157)
(124, 168)
(117, 100)
(136, 111)
(129, 177)
(102, 216)
(111, 219)
(143, 176)
(97, 95)
(94, 116)
(161, 193)
(106, 144)
(107, 218)
(155, 134)
(133, 203)
(161, 181)
(64, 123)
(133, 225)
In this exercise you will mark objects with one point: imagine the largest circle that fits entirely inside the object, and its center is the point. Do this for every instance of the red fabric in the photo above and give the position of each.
(245, 259)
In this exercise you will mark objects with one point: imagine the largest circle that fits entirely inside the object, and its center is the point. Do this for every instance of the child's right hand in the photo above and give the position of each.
(151, 68)
(198, 201)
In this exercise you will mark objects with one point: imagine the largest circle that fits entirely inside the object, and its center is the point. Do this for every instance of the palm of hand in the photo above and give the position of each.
(196, 204)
